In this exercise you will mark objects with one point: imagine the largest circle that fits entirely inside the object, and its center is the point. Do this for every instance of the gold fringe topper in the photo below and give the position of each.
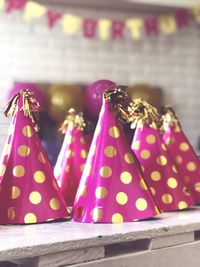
(169, 118)
(121, 103)
(73, 119)
(144, 113)
(30, 107)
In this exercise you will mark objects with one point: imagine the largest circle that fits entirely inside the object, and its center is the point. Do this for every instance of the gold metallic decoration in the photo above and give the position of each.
(30, 107)
(120, 103)
(143, 113)
(169, 118)
(73, 119)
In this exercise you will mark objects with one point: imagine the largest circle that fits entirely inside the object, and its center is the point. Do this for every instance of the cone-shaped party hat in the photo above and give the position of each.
(161, 175)
(181, 150)
(28, 190)
(72, 157)
(112, 189)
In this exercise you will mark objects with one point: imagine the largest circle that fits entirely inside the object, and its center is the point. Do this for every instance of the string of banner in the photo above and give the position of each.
(104, 28)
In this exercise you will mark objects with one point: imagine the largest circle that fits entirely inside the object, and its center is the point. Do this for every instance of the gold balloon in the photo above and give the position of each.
(63, 97)
(152, 95)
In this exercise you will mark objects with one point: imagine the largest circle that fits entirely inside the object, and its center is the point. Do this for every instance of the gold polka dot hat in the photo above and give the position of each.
(181, 150)
(28, 190)
(72, 156)
(112, 189)
(161, 174)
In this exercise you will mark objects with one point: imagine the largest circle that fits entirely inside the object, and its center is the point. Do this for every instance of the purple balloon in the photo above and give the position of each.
(94, 95)
(34, 88)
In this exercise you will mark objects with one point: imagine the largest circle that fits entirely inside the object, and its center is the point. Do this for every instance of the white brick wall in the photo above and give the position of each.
(35, 53)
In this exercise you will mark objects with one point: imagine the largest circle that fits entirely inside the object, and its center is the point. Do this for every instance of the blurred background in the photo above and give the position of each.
(56, 45)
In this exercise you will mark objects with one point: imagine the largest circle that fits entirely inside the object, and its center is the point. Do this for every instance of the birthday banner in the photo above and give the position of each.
(102, 28)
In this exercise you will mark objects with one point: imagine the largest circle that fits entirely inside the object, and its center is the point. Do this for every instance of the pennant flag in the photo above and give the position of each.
(135, 26)
(182, 18)
(196, 13)
(151, 26)
(15, 4)
(71, 24)
(53, 17)
(104, 26)
(118, 29)
(167, 24)
(89, 28)
(33, 11)
(2, 3)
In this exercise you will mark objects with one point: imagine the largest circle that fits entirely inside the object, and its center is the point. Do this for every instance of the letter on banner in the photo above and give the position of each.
(182, 18)
(118, 29)
(89, 28)
(168, 24)
(15, 4)
(196, 13)
(33, 11)
(71, 24)
(53, 17)
(2, 2)
(135, 26)
(151, 26)
(104, 26)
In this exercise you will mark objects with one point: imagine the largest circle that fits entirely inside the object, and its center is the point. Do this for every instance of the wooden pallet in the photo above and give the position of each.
(170, 240)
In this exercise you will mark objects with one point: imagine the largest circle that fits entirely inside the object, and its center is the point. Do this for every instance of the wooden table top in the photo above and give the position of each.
(32, 240)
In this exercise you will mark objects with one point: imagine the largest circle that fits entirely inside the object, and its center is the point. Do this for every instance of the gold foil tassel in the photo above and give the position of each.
(73, 119)
(144, 113)
(169, 118)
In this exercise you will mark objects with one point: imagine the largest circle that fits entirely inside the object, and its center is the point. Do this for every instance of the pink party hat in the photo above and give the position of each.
(28, 190)
(181, 150)
(167, 186)
(112, 189)
(72, 157)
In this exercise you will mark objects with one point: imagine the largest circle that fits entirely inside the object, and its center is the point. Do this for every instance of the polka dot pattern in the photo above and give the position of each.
(30, 218)
(39, 177)
(150, 139)
(145, 154)
(128, 158)
(23, 151)
(18, 171)
(106, 171)
(117, 218)
(101, 192)
(54, 204)
(141, 204)
(121, 198)
(172, 183)
(27, 131)
(114, 132)
(35, 197)
(110, 151)
(97, 214)
(126, 177)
